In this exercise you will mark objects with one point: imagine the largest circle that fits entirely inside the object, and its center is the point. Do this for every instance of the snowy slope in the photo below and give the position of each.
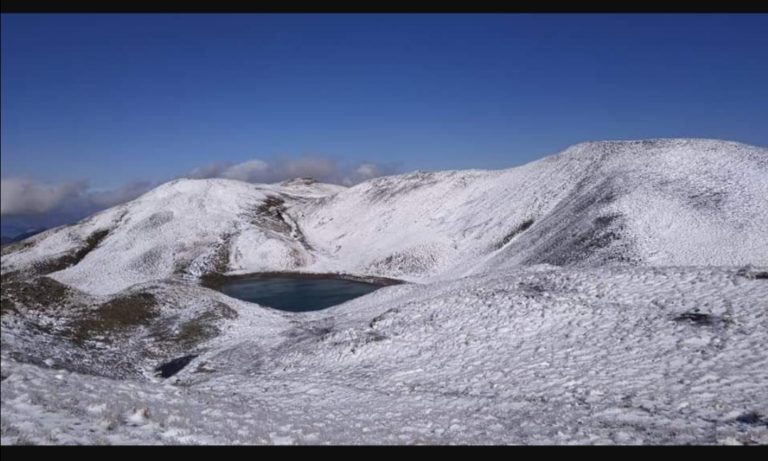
(663, 202)
(671, 202)
(532, 355)
(175, 230)
(612, 293)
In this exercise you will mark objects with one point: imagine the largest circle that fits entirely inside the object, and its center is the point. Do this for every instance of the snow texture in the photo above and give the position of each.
(613, 293)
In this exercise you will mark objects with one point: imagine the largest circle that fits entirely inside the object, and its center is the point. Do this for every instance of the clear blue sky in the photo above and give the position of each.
(116, 98)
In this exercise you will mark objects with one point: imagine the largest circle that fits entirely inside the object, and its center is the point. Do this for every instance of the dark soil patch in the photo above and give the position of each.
(192, 332)
(271, 206)
(68, 260)
(21, 289)
(169, 369)
(214, 280)
(604, 221)
(13, 247)
(696, 318)
(269, 215)
(516, 231)
(752, 274)
(384, 315)
(753, 418)
(221, 256)
(116, 316)
(404, 262)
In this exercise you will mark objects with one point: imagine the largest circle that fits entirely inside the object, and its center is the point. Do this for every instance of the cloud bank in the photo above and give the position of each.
(26, 203)
(321, 169)
(23, 196)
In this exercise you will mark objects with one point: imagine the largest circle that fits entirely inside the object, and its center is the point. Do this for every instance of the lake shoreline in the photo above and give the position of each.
(215, 280)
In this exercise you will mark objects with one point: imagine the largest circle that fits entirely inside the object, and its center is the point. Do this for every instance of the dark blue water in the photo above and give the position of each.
(297, 294)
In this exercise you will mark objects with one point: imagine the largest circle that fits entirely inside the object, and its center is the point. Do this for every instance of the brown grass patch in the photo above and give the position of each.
(115, 317)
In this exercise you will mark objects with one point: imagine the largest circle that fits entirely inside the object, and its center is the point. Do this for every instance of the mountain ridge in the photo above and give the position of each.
(684, 202)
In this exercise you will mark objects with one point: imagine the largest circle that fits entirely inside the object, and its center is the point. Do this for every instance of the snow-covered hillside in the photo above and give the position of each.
(665, 202)
(538, 355)
(612, 293)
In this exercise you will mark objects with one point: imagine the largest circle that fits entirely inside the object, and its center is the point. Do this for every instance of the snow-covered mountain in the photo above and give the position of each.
(665, 202)
(612, 293)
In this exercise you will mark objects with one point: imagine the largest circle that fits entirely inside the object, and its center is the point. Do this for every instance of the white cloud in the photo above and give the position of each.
(207, 171)
(247, 171)
(368, 171)
(320, 168)
(111, 197)
(25, 196)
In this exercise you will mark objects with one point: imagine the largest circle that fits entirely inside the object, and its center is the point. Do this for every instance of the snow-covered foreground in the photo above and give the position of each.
(536, 355)
(613, 293)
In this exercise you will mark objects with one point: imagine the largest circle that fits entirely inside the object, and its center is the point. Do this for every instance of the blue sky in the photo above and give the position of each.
(116, 99)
